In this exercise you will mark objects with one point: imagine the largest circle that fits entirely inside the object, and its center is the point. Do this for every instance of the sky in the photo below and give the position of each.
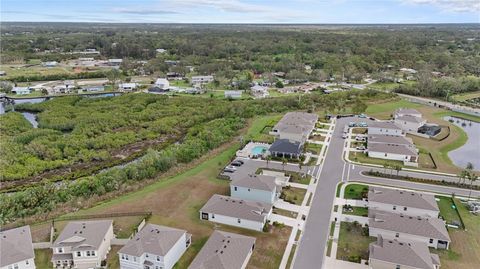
(242, 11)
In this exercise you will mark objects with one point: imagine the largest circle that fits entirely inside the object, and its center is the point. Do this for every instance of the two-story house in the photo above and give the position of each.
(260, 188)
(16, 249)
(384, 128)
(83, 244)
(154, 247)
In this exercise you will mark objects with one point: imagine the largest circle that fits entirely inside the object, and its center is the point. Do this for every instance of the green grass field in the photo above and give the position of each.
(465, 96)
(259, 128)
(357, 211)
(352, 244)
(355, 191)
(447, 211)
(384, 110)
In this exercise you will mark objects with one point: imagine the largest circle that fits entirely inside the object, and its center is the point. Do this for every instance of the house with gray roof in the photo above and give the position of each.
(82, 244)
(393, 254)
(407, 154)
(153, 247)
(389, 139)
(295, 126)
(260, 188)
(428, 230)
(16, 249)
(236, 212)
(410, 120)
(224, 250)
(284, 148)
(384, 128)
(402, 201)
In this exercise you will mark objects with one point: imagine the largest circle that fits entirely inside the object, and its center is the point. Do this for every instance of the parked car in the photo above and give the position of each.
(239, 161)
(352, 124)
(228, 170)
(360, 138)
(345, 136)
(361, 148)
(231, 167)
(362, 116)
(236, 163)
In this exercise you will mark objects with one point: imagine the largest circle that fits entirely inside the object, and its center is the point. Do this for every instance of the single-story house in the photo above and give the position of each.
(285, 148)
(393, 254)
(115, 62)
(83, 244)
(428, 230)
(3, 73)
(233, 94)
(49, 64)
(128, 87)
(260, 188)
(154, 246)
(201, 79)
(402, 201)
(16, 249)
(224, 250)
(389, 139)
(21, 90)
(236, 212)
(407, 154)
(410, 123)
(384, 128)
(161, 50)
(162, 83)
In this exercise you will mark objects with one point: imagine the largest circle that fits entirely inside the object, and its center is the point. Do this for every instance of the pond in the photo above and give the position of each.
(470, 152)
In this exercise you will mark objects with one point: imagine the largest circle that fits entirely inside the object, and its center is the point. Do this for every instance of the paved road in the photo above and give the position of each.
(311, 248)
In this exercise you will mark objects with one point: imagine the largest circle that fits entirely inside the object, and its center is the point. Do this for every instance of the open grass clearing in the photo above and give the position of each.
(355, 191)
(464, 250)
(466, 96)
(447, 210)
(293, 195)
(356, 211)
(260, 127)
(353, 243)
(42, 258)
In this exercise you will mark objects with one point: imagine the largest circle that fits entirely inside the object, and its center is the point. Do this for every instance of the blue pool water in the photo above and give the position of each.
(258, 150)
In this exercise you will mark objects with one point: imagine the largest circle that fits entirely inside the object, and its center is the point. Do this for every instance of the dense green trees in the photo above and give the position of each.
(443, 87)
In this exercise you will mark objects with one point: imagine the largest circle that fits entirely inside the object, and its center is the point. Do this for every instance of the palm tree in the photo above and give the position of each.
(268, 158)
(398, 168)
(385, 167)
(462, 176)
(284, 162)
(472, 179)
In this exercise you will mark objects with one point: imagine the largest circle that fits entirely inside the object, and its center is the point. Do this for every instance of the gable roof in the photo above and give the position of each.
(153, 239)
(258, 182)
(223, 250)
(83, 234)
(402, 198)
(421, 226)
(389, 139)
(15, 245)
(384, 125)
(237, 208)
(286, 146)
(409, 253)
(297, 122)
(392, 148)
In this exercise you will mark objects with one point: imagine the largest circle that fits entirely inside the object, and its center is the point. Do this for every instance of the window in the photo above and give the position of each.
(238, 220)
(88, 253)
(397, 235)
(27, 262)
(146, 255)
(235, 188)
(205, 216)
(158, 259)
(134, 258)
(126, 257)
(213, 216)
(248, 189)
(394, 207)
(405, 208)
(15, 266)
(79, 254)
(397, 267)
(60, 250)
(93, 253)
(431, 241)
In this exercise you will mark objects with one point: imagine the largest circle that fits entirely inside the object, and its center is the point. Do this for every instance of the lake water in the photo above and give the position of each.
(470, 152)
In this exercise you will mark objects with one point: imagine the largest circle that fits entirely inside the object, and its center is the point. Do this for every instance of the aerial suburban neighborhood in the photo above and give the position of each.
(239, 134)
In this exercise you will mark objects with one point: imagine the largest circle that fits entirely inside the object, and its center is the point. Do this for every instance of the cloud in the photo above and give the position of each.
(144, 11)
(450, 5)
(224, 5)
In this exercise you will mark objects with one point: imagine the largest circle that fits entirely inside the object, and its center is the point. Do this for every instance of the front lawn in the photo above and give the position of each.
(42, 258)
(355, 191)
(313, 148)
(353, 242)
(293, 195)
(363, 158)
(355, 211)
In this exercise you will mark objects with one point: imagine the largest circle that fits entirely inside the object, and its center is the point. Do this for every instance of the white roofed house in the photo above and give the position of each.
(127, 87)
(260, 188)
(162, 83)
(16, 249)
(21, 90)
(83, 244)
(198, 80)
(224, 250)
(233, 94)
(428, 230)
(154, 247)
(402, 201)
(394, 254)
(259, 91)
(236, 212)
(115, 62)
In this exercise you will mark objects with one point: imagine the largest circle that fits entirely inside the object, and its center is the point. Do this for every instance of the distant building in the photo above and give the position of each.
(285, 148)
(224, 250)
(127, 87)
(259, 91)
(49, 64)
(384, 128)
(161, 50)
(410, 120)
(21, 90)
(260, 188)
(154, 246)
(394, 254)
(196, 80)
(3, 73)
(158, 90)
(83, 244)
(115, 62)
(429, 230)
(236, 212)
(16, 249)
(233, 94)
(94, 89)
(162, 83)
(402, 201)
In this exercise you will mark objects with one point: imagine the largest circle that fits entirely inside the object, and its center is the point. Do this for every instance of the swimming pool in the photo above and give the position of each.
(259, 150)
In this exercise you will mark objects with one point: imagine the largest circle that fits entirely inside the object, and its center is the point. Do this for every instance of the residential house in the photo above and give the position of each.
(402, 201)
(407, 154)
(162, 83)
(233, 94)
(224, 250)
(260, 188)
(284, 148)
(197, 80)
(127, 87)
(295, 126)
(83, 244)
(428, 230)
(394, 254)
(236, 212)
(174, 76)
(259, 91)
(21, 90)
(389, 139)
(49, 64)
(154, 247)
(16, 249)
(161, 50)
(384, 128)
(3, 73)
(94, 89)
(115, 62)
(410, 124)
